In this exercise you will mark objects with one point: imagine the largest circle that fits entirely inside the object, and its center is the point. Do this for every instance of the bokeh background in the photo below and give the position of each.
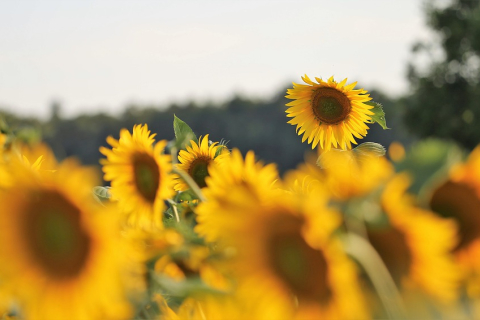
(74, 72)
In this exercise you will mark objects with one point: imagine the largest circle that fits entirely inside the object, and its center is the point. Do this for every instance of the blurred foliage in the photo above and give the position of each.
(445, 99)
(245, 123)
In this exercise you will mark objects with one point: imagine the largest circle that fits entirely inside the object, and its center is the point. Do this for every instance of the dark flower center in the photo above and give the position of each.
(330, 105)
(199, 171)
(390, 243)
(147, 176)
(459, 201)
(303, 269)
(55, 235)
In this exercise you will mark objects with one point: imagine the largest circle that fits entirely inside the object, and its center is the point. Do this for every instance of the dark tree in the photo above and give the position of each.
(445, 99)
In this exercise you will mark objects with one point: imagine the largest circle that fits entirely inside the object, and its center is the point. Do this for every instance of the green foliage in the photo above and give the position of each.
(369, 149)
(445, 99)
(183, 133)
(379, 114)
(101, 193)
(427, 160)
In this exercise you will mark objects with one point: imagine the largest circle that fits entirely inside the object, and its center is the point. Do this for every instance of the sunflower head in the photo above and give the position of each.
(60, 244)
(329, 113)
(197, 159)
(140, 175)
(287, 252)
(428, 267)
(232, 184)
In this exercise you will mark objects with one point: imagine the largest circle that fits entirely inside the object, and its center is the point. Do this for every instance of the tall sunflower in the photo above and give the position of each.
(233, 183)
(62, 254)
(329, 113)
(458, 197)
(344, 174)
(416, 245)
(196, 161)
(286, 253)
(139, 174)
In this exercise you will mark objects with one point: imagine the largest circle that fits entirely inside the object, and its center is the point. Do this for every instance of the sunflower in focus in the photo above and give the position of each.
(416, 245)
(139, 174)
(64, 258)
(233, 183)
(196, 161)
(329, 113)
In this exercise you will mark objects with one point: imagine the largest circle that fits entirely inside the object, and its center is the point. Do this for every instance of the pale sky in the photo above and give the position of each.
(103, 54)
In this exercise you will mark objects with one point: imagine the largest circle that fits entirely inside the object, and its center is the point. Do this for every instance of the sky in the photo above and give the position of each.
(101, 55)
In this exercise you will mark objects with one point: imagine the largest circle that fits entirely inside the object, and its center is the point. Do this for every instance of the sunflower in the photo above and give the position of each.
(416, 245)
(329, 113)
(458, 197)
(286, 253)
(62, 252)
(224, 306)
(196, 161)
(232, 182)
(139, 174)
(343, 173)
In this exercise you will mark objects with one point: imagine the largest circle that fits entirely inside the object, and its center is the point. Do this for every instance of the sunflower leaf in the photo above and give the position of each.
(102, 193)
(379, 114)
(183, 133)
(369, 148)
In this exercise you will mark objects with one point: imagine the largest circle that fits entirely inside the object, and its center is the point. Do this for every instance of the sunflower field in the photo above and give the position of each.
(194, 229)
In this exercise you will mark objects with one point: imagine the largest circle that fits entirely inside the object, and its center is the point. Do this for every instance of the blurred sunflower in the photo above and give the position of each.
(233, 182)
(139, 174)
(196, 161)
(329, 113)
(459, 198)
(416, 245)
(343, 173)
(286, 253)
(64, 258)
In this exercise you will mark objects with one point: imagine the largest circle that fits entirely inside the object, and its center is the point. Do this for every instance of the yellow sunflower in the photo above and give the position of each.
(232, 182)
(286, 252)
(416, 246)
(458, 197)
(329, 113)
(196, 161)
(62, 254)
(139, 174)
(343, 173)
(223, 306)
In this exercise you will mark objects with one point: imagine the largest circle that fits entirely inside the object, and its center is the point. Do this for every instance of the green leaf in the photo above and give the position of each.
(369, 148)
(187, 195)
(379, 114)
(183, 133)
(184, 288)
(102, 193)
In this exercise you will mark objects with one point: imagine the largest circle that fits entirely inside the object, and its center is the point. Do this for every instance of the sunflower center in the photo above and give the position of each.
(303, 269)
(391, 245)
(55, 235)
(330, 105)
(199, 171)
(147, 176)
(459, 201)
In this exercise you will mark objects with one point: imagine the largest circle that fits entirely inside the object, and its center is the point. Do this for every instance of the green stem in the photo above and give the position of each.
(365, 254)
(191, 184)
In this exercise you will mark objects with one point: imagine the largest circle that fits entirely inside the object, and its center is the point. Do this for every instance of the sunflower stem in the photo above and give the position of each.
(176, 214)
(191, 184)
(173, 153)
(365, 254)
